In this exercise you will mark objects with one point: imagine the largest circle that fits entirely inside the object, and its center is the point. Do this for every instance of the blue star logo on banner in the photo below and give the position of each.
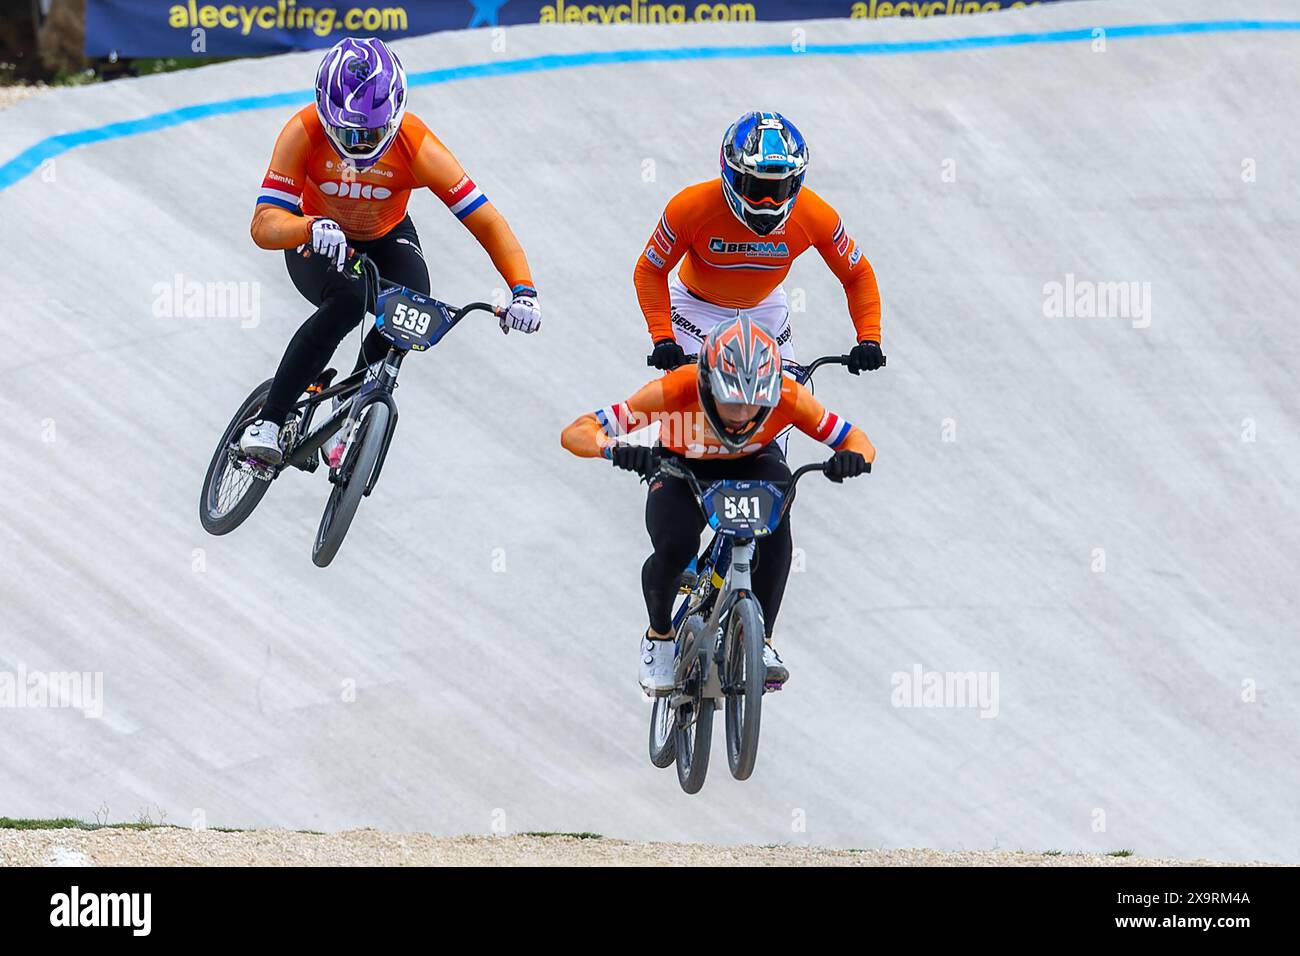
(485, 12)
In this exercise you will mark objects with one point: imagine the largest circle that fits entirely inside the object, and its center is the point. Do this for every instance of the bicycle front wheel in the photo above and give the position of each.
(743, 678)
(663, 750)
(693, 725)
(354, 474)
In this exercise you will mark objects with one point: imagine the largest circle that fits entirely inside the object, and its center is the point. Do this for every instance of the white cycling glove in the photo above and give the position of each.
(524, 314)
(327, 239)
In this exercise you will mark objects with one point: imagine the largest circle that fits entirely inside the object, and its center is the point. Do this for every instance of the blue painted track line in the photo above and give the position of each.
(31, 158)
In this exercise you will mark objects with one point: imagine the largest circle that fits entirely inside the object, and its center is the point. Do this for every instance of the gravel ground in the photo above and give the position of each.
(168, 846)
(9, 95)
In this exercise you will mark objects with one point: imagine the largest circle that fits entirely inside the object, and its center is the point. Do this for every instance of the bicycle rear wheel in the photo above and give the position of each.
(354, 474)
(232, 487)
(693, 728)
(743, 677)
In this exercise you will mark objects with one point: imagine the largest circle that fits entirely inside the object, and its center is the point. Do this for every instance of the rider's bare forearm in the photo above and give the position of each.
(276, 228)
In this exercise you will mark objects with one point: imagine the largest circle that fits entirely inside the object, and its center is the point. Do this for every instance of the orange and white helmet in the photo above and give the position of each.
(739, 364)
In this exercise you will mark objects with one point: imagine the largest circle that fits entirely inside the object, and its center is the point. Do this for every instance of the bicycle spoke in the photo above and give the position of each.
(231, 492)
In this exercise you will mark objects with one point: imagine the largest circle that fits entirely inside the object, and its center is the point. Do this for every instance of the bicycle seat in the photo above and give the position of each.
(323, 380)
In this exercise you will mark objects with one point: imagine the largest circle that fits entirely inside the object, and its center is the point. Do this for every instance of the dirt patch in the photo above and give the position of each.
(169, 846)
(9, 95)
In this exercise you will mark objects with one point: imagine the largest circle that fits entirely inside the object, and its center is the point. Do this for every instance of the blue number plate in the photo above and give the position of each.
(743, 508)
(413, 321)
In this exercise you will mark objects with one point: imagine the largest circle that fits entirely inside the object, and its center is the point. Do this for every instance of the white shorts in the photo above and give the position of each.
(693, 318)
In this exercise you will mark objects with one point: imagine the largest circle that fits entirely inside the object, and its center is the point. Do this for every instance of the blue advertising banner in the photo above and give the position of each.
(133, 28)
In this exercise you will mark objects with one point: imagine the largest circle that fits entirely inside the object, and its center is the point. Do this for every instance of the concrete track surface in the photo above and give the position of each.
(1098, 513)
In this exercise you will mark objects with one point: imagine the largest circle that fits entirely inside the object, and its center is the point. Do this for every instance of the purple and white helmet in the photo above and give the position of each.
(360, 98)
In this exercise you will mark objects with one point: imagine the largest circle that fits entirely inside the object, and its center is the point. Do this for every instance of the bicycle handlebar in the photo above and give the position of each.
(811, 466)
(671, 465)
(465, 310)
(802, 373)
(690, 360)
(383, 285)
(668, 462)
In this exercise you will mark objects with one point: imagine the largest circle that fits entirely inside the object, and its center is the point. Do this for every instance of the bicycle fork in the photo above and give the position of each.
(737, 585)
(377, 388)
(742, 555)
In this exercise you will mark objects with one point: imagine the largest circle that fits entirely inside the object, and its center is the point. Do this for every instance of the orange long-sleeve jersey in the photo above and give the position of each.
(307, 180)
(723, 262)
(674, 402)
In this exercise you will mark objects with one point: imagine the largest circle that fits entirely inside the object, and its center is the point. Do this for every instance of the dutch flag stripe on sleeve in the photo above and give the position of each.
(613, 418)
(280, 191)
(833, 430)
(464, 198)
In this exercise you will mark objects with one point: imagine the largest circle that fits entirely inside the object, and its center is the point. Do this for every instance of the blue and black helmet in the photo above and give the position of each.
(763, 161)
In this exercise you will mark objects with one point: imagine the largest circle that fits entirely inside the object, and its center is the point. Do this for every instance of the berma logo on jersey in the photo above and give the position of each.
(756, 250)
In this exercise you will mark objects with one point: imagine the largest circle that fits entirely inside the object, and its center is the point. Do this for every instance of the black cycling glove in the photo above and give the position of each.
(638, 458)
(846, 464)
(866, 356)
(667, 355)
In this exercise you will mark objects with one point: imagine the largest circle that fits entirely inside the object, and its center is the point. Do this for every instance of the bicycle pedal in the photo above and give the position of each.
(772, 686)
(258, 469)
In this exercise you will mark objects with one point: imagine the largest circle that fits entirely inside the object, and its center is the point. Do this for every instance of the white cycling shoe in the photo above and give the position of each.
(777, 672)
(261, 440)
(657, 666)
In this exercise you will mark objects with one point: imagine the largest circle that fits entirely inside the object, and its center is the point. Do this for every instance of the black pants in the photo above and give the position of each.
(674, 521)
(340, 298)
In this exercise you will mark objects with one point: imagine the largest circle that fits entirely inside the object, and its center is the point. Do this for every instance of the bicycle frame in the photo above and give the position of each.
(718, 625)
(724, 587)
(362, 387)
(716, 558)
